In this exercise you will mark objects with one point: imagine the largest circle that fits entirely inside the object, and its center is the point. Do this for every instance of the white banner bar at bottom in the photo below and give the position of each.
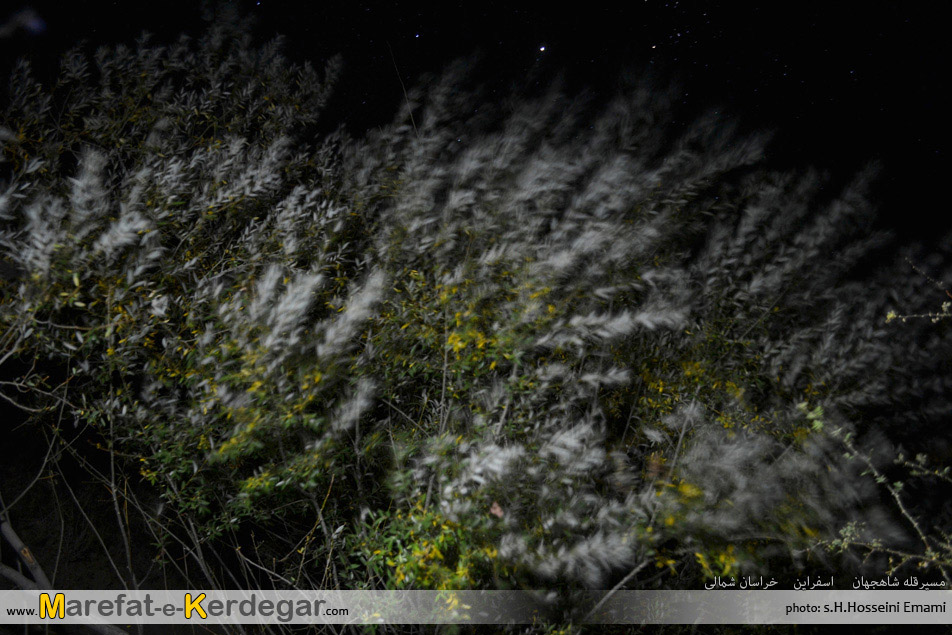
(196, 606)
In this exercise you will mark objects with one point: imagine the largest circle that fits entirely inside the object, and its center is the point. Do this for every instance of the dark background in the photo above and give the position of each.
(840, 87)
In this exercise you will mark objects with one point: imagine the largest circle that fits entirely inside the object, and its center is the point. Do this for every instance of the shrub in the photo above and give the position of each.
(554, 342)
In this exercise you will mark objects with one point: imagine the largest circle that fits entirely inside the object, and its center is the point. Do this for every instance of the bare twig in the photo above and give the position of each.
(404, 88)
(26, 556)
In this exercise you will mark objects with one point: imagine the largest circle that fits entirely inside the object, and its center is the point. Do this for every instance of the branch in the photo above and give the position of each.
(25, 555)
(17, 578)
(26, 584)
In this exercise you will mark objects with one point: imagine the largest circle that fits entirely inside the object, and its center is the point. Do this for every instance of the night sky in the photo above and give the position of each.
(838, 88)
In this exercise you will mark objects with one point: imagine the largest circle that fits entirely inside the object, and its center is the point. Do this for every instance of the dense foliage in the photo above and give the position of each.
(552, 341)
